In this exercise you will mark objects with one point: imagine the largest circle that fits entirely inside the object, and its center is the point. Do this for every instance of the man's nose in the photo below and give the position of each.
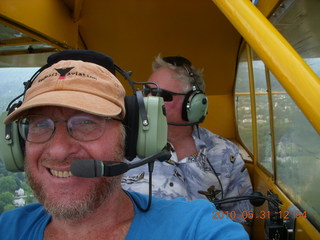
(61, 143)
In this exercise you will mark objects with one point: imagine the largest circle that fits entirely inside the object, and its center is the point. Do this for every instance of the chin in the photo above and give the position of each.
(73, 205)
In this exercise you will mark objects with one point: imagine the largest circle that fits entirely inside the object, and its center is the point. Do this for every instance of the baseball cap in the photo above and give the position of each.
(75, 84)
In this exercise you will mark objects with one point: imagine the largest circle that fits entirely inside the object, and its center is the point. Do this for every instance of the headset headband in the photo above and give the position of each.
(180, 61)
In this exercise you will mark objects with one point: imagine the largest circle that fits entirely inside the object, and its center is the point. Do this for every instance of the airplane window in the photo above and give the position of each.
(296, 141)
(242, 103)
(297, 152)
(243, 109)
(314, 63)
(14, 190)
(262, 114)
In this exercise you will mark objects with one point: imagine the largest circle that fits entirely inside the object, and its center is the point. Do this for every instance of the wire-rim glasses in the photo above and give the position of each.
(82, 127)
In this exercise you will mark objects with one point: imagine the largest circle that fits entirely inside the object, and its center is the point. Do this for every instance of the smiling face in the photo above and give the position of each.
(48, 166)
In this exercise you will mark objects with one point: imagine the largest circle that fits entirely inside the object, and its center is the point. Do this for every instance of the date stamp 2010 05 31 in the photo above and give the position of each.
(256, 215)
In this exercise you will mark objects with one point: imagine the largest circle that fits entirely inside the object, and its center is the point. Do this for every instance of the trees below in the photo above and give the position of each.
(11, 187)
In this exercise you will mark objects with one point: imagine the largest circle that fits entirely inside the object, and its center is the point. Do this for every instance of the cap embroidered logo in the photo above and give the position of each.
(63, 72)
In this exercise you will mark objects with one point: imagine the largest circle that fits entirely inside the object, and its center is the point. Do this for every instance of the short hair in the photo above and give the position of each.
(181, 73)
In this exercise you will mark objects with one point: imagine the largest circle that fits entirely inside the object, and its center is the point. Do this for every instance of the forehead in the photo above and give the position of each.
(166, 79)
(54, 111)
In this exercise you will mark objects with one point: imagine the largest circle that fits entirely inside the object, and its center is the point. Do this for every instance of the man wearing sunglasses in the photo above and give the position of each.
(74, 111)
(203, 165)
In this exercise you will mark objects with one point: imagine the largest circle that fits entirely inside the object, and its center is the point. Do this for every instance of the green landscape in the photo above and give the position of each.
(14, 189)
(10, 183)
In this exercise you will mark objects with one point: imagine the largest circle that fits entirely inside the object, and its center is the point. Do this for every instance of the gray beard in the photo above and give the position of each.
(93, 199)
(78, 208)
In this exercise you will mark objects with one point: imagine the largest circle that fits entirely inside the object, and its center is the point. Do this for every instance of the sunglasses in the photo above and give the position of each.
(165, 94)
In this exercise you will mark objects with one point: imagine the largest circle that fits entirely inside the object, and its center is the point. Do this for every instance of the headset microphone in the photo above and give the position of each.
(90, 168)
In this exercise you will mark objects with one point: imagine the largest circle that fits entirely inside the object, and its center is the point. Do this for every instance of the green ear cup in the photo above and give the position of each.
(197, 108)
(152, 138)
(11, 152)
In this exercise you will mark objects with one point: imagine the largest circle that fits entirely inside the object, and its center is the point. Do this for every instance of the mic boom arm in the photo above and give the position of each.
(89, 168)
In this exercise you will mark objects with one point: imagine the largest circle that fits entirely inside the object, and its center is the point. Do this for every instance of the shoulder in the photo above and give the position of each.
(174, 207)
(213, 140)
(16, 221)
(195, 219)
(27, 211)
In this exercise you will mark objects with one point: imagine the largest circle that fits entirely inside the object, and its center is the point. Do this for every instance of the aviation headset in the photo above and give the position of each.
(195, 104)
(145, 121)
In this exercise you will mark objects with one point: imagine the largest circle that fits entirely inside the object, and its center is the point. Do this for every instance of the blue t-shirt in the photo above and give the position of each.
(166, 219)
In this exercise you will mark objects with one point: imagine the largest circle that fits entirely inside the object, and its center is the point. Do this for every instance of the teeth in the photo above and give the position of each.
(61, 174)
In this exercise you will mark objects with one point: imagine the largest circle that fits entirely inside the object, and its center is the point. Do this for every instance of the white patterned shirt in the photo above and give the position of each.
(194, 178)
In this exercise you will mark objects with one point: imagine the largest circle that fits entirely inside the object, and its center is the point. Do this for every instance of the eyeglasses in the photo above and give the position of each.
(165, 94)
(85, 127)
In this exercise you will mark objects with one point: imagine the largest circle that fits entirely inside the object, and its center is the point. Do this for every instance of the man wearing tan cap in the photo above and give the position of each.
(73, 110)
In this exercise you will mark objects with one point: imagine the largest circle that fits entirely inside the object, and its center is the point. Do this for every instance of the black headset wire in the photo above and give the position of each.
(212, 168)
(27, 85)
(150, 167)
(215, 173)
(10, 105)
(248, 197)
(127, 77)
(191, 74)
(184, 124)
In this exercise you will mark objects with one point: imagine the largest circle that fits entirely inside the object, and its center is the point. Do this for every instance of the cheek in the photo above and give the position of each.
(109, 148)
(173, 108)
(33, 151)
